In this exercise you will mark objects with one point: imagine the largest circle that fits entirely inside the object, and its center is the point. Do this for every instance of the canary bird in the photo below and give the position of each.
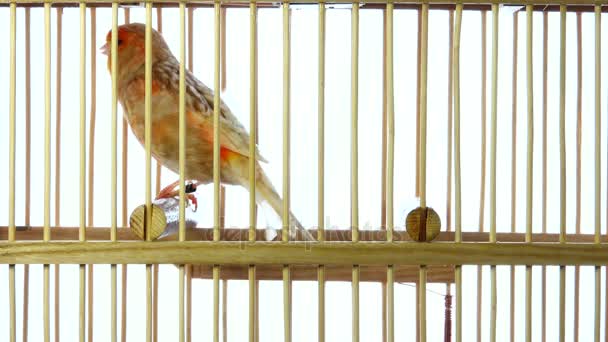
(234, 139)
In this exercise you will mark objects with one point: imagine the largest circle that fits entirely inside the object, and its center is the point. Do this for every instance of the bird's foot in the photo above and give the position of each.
(172, 191)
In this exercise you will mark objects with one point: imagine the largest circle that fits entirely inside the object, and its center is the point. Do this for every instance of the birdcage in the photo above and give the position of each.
(403, 93)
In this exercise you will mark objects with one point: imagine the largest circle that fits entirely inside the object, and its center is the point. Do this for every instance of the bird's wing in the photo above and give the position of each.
(199, 98)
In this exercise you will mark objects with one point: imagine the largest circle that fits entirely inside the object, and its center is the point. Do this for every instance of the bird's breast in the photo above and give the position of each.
(164, 126)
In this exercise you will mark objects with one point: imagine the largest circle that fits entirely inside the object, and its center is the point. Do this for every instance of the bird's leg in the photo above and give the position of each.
(170, 191)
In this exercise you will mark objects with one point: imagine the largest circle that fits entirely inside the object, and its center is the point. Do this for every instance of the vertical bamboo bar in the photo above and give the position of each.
(493, 167)
(57, 180)
(83, 169)
(530, 163)
(544, 172)
(598, 165)
(423, 99)
(182, 160)
(252, 116)
(28, 149)
(354, 103)
(354, 159)
(159, 28)
(286, 172)
(383, 166)
(216, 165)
(125, 153)
(125, 180)
(57, 200)
(11, 168)
(47, 165)
(450, 124)
(562, 159)
(253, 82)
(148, 166)
(579, 114)
(90, 185)
(482, 187)
(457, 174)
(513, 172)
(418, 69)
(12, 304)
(252, 301)
(321, 169)
(113, 167)
(447, 333)
(390, 158)
(188, 309)
(92, 119)
(423, 123)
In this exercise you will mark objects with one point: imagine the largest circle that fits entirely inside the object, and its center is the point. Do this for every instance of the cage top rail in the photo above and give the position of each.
(479, 5)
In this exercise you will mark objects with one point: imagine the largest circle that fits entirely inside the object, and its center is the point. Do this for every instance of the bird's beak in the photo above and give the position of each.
(105, 49)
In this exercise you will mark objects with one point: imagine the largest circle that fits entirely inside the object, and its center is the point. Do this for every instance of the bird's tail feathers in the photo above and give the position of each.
(265, 192)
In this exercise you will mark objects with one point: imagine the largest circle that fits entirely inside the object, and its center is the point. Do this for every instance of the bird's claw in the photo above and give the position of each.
(170, 191)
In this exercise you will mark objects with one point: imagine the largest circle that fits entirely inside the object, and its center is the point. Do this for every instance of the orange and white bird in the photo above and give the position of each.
(234, 139)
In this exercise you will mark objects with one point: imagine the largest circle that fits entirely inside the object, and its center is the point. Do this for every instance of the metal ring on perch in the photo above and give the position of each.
(423, 224)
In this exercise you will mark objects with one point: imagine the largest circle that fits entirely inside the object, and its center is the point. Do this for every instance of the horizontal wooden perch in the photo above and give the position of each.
(237, 234)
(301, 253)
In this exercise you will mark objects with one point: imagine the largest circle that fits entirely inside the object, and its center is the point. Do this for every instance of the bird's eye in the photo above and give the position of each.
(119, 41)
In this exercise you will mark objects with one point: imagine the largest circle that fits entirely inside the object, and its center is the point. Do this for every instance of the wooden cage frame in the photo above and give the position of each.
(386, 256)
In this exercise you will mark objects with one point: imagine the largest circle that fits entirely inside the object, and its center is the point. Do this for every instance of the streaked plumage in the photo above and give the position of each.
(234, 139)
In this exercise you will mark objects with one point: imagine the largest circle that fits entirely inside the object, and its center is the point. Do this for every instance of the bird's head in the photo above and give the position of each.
(131, 49)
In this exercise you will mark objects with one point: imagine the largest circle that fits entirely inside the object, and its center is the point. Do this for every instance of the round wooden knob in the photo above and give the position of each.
(138, 219)
(423, 224)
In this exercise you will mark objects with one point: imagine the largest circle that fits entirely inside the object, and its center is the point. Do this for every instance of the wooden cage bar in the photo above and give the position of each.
(216, 165)
(457, 170)
(188, 268)
(124, 192)
(91, 155)
(82, 172)
(482, 191)
(354, 162)
(57, 180)
(562, 159)
(321, 170)
(47, 169)
(598, 166)
(12, 143)
(28, 149)
(286, 16)
(512, 269)
(543, 311)
(114, 167)
(148, 160)
(424, 26)
(390, 160)
(182, 165)
(530, 163)
(493, 290)
(253, 82)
